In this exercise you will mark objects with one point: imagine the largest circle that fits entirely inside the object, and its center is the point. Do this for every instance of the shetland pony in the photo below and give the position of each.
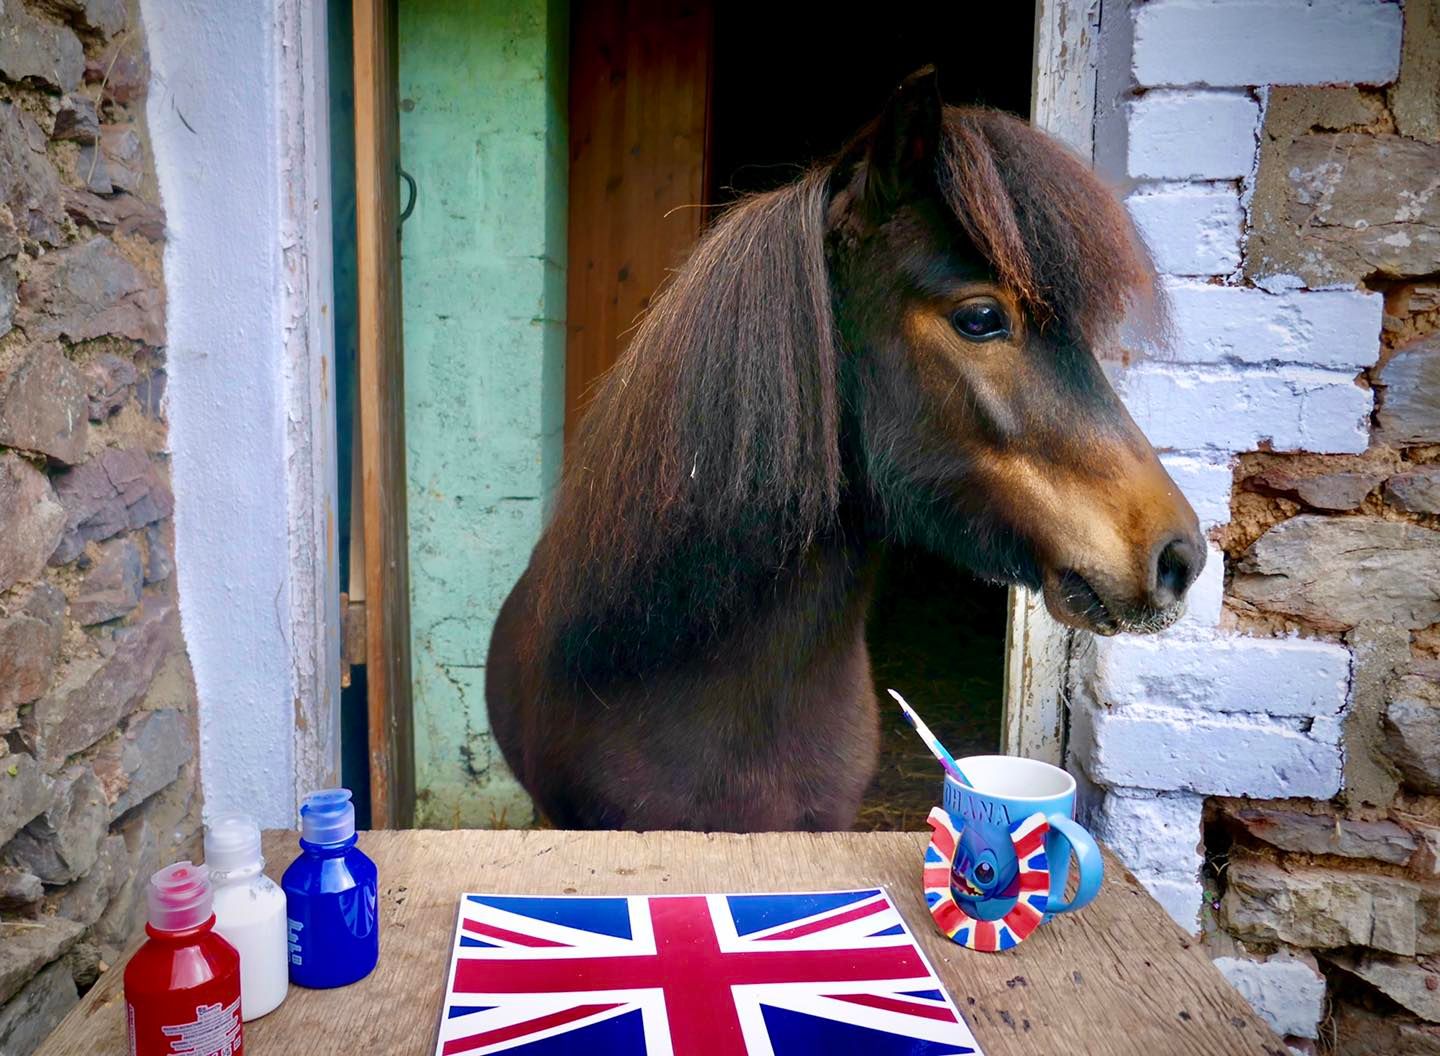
(900, 346)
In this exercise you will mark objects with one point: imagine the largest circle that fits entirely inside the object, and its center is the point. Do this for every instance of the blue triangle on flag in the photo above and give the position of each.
(931, 995)
(608, 916)
(466, 940)
(757, 912)
(619, 1035)
(894, 929)
(465, 1010)
(805, 1033)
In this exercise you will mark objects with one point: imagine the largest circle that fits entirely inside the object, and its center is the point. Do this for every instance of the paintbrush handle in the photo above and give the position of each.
(947, 761)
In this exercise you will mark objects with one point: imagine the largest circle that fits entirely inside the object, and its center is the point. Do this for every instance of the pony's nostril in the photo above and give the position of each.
(1175, 569)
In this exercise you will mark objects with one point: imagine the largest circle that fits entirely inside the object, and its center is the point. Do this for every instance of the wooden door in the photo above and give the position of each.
(640, 74)
(381, 398)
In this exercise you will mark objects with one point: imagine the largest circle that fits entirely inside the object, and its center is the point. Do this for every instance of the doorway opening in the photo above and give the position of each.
(674, 108)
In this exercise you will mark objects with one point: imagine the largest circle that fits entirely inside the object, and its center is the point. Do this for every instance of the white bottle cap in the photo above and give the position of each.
(327, 816)
(232, 841)
(179, 897)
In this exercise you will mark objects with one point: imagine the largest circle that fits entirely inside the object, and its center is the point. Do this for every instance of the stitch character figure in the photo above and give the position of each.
(985, 877)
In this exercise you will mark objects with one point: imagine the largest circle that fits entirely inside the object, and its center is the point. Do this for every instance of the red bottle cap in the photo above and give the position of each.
(179, 897)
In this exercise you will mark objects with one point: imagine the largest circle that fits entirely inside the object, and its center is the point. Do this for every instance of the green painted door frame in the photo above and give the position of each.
(483, 103)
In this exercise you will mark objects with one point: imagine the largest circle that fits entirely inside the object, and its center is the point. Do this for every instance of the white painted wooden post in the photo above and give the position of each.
(308, 318)
(238, 113)
(1037, 649)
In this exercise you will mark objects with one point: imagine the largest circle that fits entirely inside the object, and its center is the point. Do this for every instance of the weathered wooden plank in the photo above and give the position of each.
(1062, 96)
(382, 414)
(639, 96)
(1118, 978)
(1037, 648)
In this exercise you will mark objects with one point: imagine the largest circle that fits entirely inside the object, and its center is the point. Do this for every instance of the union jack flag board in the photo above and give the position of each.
(693, 975)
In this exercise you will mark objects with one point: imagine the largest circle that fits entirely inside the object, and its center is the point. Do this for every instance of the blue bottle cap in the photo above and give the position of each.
(327, 816)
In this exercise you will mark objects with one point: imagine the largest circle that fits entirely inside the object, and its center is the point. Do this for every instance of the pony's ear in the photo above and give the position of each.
(904, 142)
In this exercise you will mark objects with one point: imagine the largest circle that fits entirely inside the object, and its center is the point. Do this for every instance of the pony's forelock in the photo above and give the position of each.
(1054, 233)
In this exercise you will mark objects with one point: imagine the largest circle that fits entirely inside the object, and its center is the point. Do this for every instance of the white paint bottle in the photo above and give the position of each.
(249, 911)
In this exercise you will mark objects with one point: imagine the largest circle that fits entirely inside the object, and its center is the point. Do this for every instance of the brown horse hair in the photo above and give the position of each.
(1053, 232)
(710, 456)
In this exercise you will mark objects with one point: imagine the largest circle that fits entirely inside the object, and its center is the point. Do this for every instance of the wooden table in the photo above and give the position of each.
(1117, 978)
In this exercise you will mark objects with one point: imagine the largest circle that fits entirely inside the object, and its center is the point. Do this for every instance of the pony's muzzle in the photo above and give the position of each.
(1113, 582)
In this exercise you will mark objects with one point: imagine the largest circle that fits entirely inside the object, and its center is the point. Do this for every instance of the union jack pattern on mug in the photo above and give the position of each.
(1028, 838)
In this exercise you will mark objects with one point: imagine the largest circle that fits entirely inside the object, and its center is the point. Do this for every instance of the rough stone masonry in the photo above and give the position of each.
(1270, 768)
(97, 736)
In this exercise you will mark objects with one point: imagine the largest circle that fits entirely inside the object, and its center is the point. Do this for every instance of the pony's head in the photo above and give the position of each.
(979, 273)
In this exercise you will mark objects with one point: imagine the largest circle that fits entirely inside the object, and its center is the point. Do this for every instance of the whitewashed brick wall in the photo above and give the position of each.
(1158, 724)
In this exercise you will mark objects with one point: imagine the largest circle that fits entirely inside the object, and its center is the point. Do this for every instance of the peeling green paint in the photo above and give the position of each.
(482, 131)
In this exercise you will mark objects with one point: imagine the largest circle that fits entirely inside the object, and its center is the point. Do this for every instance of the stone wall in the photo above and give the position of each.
(97, 743)
(1270, 768)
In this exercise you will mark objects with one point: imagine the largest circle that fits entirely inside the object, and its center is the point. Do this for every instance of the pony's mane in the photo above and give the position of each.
(711, 449)
(709, 456)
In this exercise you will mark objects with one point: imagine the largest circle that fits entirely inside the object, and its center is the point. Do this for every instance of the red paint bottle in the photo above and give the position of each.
(182, 988)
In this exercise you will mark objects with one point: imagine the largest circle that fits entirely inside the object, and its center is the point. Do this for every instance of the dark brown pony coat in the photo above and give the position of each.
(686, 648)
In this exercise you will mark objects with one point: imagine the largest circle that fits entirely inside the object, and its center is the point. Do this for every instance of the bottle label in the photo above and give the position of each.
(293, 940)
(214, 1030)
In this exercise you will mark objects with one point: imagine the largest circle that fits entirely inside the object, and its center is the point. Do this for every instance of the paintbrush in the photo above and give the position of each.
(931, 741)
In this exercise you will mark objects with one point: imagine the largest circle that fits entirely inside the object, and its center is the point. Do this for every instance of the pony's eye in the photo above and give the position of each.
(980, 320)
(984, 872)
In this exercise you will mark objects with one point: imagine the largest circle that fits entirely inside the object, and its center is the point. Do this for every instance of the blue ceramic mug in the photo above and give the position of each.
(987, 841)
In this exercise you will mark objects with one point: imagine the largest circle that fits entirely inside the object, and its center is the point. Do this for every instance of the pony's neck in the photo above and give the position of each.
(815, 607)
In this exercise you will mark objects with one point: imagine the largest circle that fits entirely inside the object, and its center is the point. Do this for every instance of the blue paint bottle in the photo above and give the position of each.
(331, 896)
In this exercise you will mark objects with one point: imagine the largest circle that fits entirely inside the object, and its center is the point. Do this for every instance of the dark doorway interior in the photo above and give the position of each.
(790, 84)
(354, 718)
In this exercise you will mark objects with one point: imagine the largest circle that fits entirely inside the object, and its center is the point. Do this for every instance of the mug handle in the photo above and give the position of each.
(1087, 860)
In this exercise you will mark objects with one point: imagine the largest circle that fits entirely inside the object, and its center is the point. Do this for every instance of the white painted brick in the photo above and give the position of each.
(1190, 231)
(1225, 410)
(1286, 677)
(1252, 42)
(1191, 136)
(1230, 755)
(1181, 899)
(1285, 992)
(1335, 329)
(1156, 833)
(1188, 135)
(1206, 484)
